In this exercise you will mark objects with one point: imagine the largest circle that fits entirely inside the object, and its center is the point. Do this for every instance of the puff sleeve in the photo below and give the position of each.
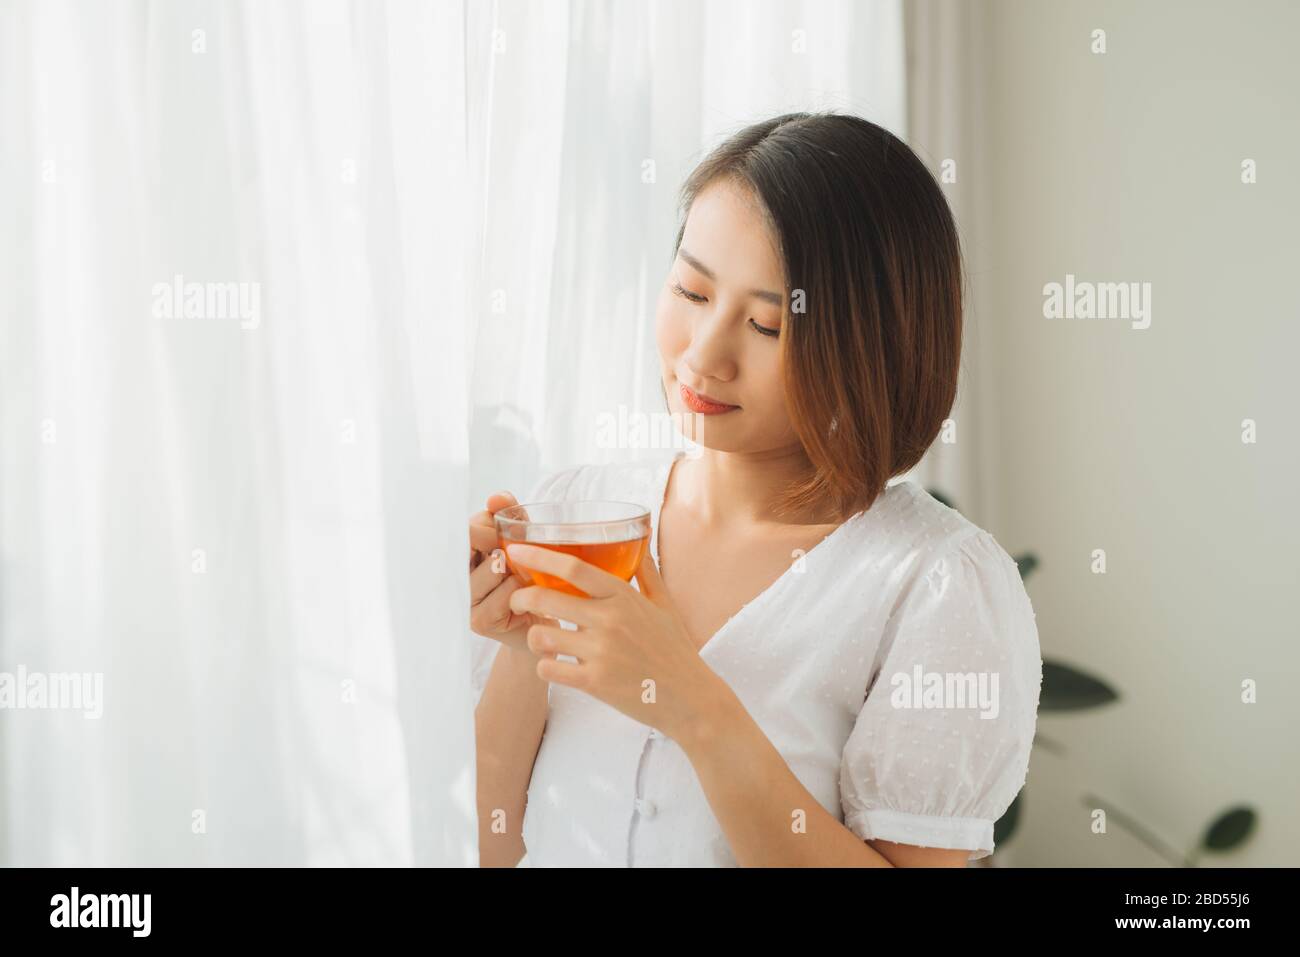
(941, 745)
(554, 487)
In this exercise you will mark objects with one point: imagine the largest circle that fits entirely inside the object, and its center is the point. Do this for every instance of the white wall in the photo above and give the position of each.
(1126, 166)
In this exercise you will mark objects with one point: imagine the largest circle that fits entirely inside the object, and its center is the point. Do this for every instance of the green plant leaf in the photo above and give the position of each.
(1230, 829)
(1026, 563)
(1006, 825)
(1068, 689)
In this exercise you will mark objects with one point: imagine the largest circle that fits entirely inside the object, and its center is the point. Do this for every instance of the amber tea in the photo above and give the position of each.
(612, 536)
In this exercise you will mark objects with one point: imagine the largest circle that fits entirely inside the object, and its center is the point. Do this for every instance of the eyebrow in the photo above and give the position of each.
(774, 298)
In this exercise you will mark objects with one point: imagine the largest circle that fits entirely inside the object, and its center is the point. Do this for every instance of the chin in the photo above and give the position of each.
(716, 440)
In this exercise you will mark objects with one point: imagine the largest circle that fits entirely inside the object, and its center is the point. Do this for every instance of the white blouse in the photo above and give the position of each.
(895, 666)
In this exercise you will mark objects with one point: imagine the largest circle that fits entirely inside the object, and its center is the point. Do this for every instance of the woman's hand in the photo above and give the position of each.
(633, 650)
(490, 581)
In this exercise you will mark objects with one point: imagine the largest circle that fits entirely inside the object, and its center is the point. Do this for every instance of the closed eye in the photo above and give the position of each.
(696, 298)
(687, 294)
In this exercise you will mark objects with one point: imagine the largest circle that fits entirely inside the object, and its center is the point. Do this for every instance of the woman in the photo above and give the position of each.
(814, 667)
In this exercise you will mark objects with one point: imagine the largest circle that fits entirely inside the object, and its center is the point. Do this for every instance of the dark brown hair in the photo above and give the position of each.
(871, 336)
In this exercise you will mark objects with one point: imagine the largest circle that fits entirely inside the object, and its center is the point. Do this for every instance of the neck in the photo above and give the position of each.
(739, 488)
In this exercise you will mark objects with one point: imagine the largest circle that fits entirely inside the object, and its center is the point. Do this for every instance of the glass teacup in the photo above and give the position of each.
(610, 535)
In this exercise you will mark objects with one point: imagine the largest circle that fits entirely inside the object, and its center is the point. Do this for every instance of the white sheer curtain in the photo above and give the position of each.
(454, 217)
(585, 119)
(250, 523)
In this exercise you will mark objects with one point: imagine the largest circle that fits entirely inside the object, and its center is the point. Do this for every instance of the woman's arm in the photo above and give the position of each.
(769, 817)
(508, 725)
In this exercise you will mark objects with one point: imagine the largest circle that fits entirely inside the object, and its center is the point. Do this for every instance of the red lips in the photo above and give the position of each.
(702, 403)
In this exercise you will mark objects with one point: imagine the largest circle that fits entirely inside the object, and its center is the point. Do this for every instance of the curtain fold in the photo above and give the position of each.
(233, 507)
(946, 115)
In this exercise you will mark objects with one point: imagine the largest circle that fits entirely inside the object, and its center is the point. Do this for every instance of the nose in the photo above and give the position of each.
(711, 354)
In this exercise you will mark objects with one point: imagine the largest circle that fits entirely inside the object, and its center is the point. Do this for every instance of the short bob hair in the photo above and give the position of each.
(871, 335)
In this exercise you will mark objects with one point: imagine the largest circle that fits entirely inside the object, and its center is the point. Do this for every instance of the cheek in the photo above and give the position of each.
(672, 334)
(773, 413)
(768, 369)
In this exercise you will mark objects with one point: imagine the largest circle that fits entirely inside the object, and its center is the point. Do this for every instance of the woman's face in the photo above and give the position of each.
(717, 324)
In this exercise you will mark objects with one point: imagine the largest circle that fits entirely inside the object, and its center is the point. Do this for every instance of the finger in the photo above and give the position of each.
(559, 672)
(648, 577)
(495, 502)
(596, 582)
(553, 640)
(494, 611)
(489, 574)
(483, 538)
(537, 600)
(484, 534)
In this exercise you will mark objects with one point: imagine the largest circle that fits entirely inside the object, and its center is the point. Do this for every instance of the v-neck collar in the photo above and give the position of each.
(663, 475)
